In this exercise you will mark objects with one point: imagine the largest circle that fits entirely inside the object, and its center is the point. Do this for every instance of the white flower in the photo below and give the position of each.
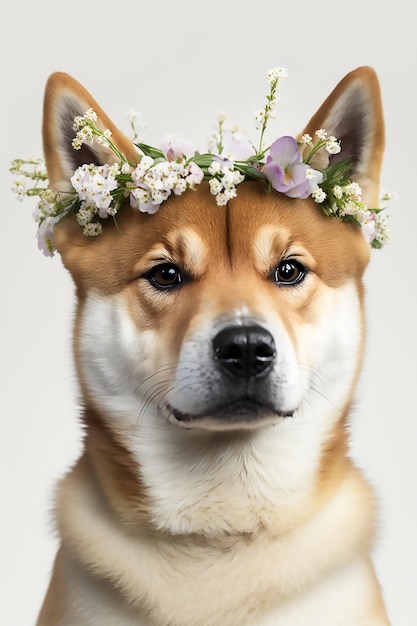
(155, 184)
(140, 195)
(84, 135)
(319, 195)
(214, 168)
(137, 122)
(228, 179)
(146, 207)
(332, 145)
(85, 215)
(224, 185)
(195, 175)
(236, 147)
(94, 185)
(277, 73)
(314, 178)
(306, 140)
(321, 133)
(230, 192)
(387, 196)
(159, 196)
(91, 115)
(179, 187)
(175, 147)
(350, 207)
(115, 169)
(19, 187)
(81, 120)
(338, 192)
(47, 205)
(221, 199)
(93, 229)
(142, 167)
(259, 118)
(353, 191)
(104, 139)
(215, 186)
(382, 229)
(45, 235)
(367, 222)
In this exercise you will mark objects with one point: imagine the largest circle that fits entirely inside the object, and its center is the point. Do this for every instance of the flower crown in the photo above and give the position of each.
(99, 191)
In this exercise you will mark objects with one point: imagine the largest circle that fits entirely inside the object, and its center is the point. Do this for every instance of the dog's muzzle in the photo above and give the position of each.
(244, 358)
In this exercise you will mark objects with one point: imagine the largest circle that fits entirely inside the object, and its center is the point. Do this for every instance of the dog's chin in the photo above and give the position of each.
(241, 415)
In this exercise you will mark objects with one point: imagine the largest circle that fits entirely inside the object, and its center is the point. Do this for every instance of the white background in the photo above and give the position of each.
(181, 63)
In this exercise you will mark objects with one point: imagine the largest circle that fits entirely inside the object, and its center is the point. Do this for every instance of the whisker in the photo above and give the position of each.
(314, 384)
(151, 394)
(162, 370)
(163, 387)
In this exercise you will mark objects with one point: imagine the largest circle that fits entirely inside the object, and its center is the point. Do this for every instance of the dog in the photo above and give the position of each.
(217, 350)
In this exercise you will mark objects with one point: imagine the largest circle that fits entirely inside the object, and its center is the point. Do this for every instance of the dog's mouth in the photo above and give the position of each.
(244, 414)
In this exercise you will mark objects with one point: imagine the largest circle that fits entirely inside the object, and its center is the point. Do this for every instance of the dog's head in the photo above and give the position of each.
(219, 317)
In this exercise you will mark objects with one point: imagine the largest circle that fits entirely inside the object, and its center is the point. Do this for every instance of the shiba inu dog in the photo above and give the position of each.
(217, 350)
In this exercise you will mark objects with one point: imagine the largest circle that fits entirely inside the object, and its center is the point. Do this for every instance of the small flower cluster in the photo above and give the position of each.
(345, 202)
(263, 116)
(98, 192)
(224, 181)
(330, 143)
(156, 181)
(47, 211)
(147, 186)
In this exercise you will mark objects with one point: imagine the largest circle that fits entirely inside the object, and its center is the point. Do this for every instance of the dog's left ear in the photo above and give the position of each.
(65, 98)
(353, 114)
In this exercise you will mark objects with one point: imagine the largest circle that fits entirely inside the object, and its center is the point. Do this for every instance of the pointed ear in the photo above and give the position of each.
(353, 114)
(64, 99)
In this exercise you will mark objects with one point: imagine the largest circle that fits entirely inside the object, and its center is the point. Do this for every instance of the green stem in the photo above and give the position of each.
(313, 151)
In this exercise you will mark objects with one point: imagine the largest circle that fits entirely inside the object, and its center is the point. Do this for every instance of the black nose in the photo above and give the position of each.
(245, 351)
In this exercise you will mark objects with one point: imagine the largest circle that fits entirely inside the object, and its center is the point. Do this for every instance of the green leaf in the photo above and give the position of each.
(251, 172)
(150, 151)
(337, 174)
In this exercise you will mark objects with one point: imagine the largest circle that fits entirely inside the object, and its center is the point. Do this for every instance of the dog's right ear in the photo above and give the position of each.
(65, 98)
(353, 113)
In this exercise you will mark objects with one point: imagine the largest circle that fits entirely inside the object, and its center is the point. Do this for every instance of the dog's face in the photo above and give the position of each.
(218, 318)
(205, 325)
(202, 327)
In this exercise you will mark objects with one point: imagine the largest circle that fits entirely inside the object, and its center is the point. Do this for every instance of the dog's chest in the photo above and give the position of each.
(338, 599)
(251, 580)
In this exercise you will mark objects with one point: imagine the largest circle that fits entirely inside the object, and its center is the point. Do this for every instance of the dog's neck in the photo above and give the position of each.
(214, 483)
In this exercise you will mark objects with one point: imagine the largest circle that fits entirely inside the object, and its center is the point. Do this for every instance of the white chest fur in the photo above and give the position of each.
(251, 579)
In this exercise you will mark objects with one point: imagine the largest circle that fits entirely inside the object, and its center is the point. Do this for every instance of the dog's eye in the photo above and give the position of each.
(289, 272)
(164, 276)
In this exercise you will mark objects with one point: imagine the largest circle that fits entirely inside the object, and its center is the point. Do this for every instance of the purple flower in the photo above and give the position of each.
(285, 169)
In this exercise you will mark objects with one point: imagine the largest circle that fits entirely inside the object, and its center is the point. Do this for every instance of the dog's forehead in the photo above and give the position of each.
(254, 219)
(255, 230)
(259, 228)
